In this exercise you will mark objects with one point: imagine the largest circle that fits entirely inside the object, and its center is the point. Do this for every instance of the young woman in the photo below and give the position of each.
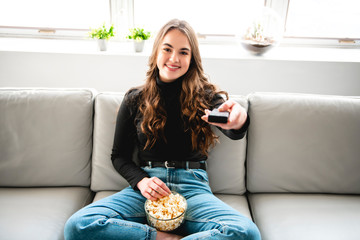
(166, 119)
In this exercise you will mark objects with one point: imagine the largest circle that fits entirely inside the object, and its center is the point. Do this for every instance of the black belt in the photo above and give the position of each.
(175, 164)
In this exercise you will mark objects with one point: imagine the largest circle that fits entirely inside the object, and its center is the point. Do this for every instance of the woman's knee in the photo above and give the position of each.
(72, 228)
(78, 225)
(253, 231)
(244, 230)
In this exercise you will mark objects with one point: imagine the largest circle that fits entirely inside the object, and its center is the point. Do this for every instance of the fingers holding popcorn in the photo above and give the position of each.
(153, 188)
(159, 187)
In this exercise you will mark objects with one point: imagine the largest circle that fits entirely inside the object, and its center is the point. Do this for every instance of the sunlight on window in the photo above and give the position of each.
(324, 18)
(205, 16)
(79, 14)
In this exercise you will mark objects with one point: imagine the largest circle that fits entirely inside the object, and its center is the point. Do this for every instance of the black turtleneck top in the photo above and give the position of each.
(177, 146)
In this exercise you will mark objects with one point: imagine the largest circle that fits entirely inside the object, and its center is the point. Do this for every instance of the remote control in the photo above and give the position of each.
(218, 117)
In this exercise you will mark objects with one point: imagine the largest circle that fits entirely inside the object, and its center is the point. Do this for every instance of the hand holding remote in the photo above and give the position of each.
(236, 119)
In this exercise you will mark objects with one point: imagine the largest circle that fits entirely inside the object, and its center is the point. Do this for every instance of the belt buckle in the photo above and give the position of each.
(167, 165)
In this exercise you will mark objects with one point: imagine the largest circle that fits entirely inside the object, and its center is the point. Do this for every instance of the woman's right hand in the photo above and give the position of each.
(153, 188)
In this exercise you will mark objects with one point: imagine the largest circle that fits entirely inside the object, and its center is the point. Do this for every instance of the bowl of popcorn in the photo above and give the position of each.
(167, 213)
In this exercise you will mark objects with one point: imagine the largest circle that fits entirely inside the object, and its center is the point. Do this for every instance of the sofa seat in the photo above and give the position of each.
(238, 202)
(39, 213)
(306, 216)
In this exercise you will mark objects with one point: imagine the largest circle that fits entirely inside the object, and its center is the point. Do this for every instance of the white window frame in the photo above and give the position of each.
(33, 32)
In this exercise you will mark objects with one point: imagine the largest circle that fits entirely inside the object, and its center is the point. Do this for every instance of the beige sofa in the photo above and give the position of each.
(296, 174)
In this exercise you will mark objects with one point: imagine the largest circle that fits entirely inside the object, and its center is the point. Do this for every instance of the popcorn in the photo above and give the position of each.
(167, 213)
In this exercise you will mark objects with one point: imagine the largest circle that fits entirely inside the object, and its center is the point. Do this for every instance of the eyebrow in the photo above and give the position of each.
(183, 49)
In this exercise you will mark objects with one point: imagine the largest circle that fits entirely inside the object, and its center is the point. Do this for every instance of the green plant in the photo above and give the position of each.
(102, 32)
(138, 34)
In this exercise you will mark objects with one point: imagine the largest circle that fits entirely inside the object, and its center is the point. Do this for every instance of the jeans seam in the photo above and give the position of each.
(130, 224)
(208, 235)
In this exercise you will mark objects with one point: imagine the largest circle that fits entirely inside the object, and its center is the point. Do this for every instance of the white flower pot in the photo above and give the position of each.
(139, 45)
(102, 43)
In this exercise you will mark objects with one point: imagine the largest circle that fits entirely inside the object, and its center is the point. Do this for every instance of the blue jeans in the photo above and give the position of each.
(122, 215)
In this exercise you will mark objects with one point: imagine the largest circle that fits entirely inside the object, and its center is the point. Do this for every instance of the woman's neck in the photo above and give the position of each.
(173, 87)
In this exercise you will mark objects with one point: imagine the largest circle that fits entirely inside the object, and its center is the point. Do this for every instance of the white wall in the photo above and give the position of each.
(246, 76)
(238, 75)
(102, 72)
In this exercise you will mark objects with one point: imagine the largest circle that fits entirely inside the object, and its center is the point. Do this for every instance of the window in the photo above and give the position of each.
(323, 19)
(207, 17)
(49, 17)
(319, 22)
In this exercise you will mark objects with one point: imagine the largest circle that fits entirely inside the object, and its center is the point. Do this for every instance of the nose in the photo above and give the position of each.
(174, 57)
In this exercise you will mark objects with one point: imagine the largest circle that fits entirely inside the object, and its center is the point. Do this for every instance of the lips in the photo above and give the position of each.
(172, 67)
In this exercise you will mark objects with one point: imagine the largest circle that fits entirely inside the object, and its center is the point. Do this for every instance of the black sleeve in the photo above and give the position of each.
(124, 141)
(237, 134)
(232, 133)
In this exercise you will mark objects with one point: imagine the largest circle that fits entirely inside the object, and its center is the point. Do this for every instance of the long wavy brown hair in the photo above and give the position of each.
(196, 95)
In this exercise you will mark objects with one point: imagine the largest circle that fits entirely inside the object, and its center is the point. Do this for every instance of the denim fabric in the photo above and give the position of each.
(122, 215)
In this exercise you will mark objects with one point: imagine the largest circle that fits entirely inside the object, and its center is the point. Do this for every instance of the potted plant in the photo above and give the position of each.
(102, 34)
(138, 35)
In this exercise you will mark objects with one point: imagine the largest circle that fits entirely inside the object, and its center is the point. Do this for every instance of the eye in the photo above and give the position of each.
(184, 53)
(166, 49)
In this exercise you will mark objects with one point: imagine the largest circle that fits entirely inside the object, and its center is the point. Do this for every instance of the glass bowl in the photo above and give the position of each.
(262, 31)
(166, 214)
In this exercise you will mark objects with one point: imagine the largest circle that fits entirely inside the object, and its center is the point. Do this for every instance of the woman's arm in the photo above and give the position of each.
(122, 152)
(238, 121)
(123, 147)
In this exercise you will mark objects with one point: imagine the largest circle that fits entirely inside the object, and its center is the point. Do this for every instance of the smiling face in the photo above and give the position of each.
(174, 56)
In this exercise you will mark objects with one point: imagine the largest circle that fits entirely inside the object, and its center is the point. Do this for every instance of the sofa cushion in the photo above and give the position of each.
(45, 137)
(306, 216)
(237, 202)
(303, 143)
(39, 213)
(225, 164)
(103, 175)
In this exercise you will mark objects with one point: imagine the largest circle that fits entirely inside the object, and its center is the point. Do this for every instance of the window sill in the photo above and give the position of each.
(208, 51)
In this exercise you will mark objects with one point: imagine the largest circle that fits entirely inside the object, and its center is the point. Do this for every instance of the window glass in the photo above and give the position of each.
(323, 18)
(205, 16)
(78, 14)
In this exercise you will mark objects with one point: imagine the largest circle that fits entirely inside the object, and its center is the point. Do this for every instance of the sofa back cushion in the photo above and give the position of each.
(225, 164)
(303, 143)
(45, 137)
(103, 174)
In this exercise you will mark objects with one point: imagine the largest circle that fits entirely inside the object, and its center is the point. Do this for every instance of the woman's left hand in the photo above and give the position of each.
(236, 118)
